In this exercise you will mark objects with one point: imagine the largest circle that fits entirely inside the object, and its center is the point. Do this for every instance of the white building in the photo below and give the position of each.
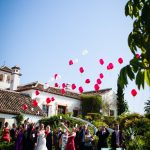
(63, 103)
(9, 77)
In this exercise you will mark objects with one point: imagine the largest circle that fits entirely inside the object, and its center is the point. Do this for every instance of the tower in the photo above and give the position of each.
(15, 80)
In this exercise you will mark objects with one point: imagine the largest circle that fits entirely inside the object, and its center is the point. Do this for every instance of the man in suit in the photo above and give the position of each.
(117, 138)
(82, 137)
(102, 134)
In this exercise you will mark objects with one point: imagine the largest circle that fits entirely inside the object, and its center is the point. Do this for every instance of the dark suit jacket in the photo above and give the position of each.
(113, 140)
(49, 141)
(82, 136)
(102, 142)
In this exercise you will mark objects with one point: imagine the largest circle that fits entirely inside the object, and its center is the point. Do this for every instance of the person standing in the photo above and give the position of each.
(49, 136)
(41, 139)
(82, 137)
(13, 132)
(6, 133)
(117, 138)
(102, 134)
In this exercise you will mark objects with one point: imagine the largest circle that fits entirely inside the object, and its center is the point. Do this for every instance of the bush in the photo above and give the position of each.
(95, 116)
(99, 123)
(6, 146)
(55, 121)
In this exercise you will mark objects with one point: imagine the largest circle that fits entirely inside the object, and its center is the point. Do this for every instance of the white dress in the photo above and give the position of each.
(41, 142)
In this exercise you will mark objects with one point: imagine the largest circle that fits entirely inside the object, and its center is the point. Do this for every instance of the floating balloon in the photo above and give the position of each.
(37, 92)
(73, 86)
(63, 85)
(110, 66)
(87, 81)
(48, 100)
(96, 87)
(81, 89)
(56, 85)
(81, 69)
(70, 62)
(35, 103)
(24, 107)
(120, 60)
(98, 81)
(101, 75)
(134, 92)
(137, 56)
(55, 75)
(52, 98)
(63, 91)
(101, 61)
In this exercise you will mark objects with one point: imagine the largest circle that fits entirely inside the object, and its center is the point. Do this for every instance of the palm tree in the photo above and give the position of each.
(147, 107)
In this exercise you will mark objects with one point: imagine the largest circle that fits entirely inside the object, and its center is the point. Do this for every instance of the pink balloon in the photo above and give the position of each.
(37, 92)
(73, 86)
(63, 91)
(81, 89)
(56, 85)
(96, 87)
(48, 100)
(101, 75)
(70, 62)
(133, 92)
(120, 60)
(24, 107)
(101, 61)
(87, 81)
(35, 103)
(110, 66)
(52, 98)
(63, 85)
(81, 69)
(137, 56)
(55, 76)
(98, 81)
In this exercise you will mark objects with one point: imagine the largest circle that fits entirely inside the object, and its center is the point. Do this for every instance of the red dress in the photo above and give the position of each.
(70, 144)
(6, 135)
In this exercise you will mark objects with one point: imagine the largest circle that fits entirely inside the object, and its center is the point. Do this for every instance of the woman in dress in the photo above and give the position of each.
(41, 139)
(19, 138)
(88, 141)
(6, 133)
(70, 143)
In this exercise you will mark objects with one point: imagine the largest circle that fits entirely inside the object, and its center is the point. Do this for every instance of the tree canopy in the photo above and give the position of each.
(138, 68)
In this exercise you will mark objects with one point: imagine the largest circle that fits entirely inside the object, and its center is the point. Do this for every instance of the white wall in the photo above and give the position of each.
(111, 98)
(71, 103)
(4, 84)
(11, 118)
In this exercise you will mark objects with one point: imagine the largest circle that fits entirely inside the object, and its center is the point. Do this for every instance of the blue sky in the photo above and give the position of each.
(42, 36)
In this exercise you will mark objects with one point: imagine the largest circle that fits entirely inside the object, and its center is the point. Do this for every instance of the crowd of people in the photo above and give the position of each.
(28, 136)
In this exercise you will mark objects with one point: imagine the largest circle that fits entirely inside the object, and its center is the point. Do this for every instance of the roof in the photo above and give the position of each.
(38, 86)
(99, 92)
(6, 69)
(11, 103)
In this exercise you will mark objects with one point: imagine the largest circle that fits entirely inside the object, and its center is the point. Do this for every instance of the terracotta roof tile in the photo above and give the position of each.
(53, 90)
(11, 102)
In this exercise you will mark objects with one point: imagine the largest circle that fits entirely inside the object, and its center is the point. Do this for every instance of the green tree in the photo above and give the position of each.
(138, 68)
(91, 104)
(147, 107)
(122, 105)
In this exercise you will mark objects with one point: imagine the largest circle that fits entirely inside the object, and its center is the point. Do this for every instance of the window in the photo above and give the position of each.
(111, 112)
(61, 109)
(8, 79)
(75, 113)
(45, 109)
(1, 77)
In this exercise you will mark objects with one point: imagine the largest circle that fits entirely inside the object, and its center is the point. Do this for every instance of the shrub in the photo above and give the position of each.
(99, 123)
(95, 116)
